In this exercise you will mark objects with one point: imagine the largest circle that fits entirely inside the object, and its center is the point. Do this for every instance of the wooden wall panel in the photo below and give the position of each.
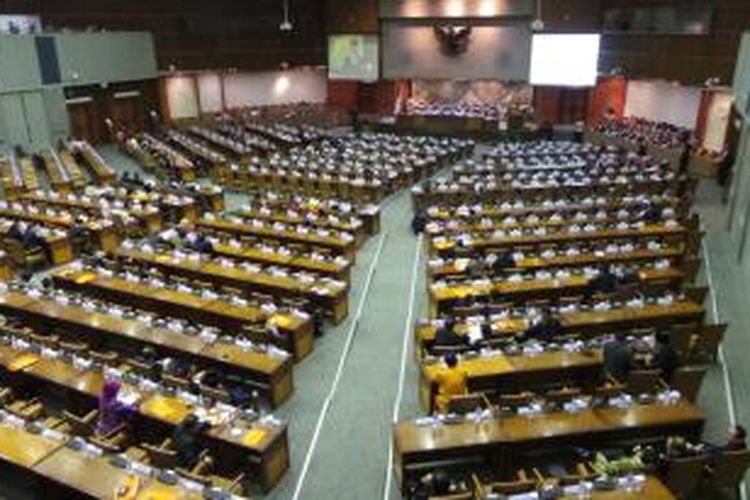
(688, 59)
(343, 94)
(609, 94)
(195, 34)
(352, 16)
(87, 119)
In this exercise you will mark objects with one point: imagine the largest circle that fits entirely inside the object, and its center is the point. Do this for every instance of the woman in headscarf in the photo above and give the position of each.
(112, 412)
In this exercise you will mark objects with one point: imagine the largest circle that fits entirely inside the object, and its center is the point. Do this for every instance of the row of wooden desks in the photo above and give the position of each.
(272, 375)
(442, 297)
(152, 220)
(337, 244)
(527, 209)
(337, 269)
(105, 233)
(515, 374)
(585, 258)
(593, 322)
(502, 442)
(236, 439)
(463, 194)
(296, 331)
(333, 299)
(486, 241)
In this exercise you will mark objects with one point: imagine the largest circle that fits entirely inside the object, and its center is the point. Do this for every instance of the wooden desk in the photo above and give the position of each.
(450, 268)
(93, 476)
(353, 225)
(538, 208)
(272, 376)
(6, 271)
(595, 322)
(297, 333)
(231, 442)
(22, 448)
(339, 246)
(442, 297)
(655, 230)
(334, 301)
(152, 220)
(337, 270)
(516, 373)
(504, 441)
(104, 232)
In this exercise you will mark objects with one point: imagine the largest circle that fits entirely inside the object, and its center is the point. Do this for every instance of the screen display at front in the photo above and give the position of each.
(567, 60)
(353, 57)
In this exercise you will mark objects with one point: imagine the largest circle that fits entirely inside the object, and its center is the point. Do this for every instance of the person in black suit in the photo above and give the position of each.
(446, 336)
(618, 357)
(186, 440)
(546, 328)
(665, 358)
(605, 282)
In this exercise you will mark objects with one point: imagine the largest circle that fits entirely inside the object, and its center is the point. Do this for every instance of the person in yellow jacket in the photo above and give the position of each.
(451, 381)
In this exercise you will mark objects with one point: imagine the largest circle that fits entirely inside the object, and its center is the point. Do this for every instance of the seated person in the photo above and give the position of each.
(604, 282)
(186, 440)
(451, 381)
(736, 439)
(198, 242)
(618, 357)
(112, 412)
(546, 328)
(665, 358)
(446, 336)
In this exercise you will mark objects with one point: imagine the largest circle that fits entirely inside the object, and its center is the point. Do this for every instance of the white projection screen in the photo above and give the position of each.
(353, 57)
(569, 60)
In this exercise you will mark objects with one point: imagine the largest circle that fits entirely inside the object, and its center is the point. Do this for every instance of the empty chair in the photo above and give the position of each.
(468, 403)
(643, 381)
(688, 380)
(706, 342)
(728, 469)
(696, 294)
(81, 425)
(683, 475)
(162, 456)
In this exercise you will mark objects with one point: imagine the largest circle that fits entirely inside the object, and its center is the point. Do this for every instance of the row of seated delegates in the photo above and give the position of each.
(487, 111)
(371, 155)
(203, 155)
(479, 183)
(315, 115)
(640, 130)
(119, 405)
(285, 134)
(121, 268)
(51, 436)
(233, 138)
(621, 354)
(517, 151)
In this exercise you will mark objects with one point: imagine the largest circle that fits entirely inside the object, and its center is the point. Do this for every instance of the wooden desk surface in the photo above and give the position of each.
(336, 269)
(50, 310)
(546, 428)
(537, 208)
(500, 364)
(93, 476)
(593, 321)
(460, 290)
(23, 448)
(563, 236)
(169, 409)
(332, 241)
(296, 331)
(288, 284)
